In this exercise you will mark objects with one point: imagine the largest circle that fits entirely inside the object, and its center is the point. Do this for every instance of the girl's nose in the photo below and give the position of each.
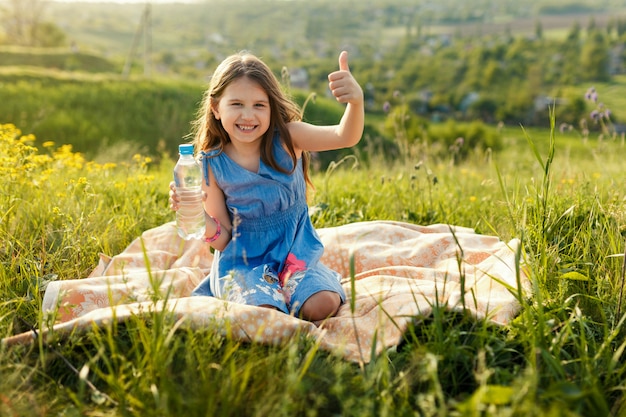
(246, 113)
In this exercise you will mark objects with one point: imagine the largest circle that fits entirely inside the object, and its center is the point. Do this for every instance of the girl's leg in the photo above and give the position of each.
(320, 306)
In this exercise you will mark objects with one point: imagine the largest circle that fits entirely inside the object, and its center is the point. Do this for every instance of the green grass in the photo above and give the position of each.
(93, 111)
(562, 356)
(58, 58)
(107, 116)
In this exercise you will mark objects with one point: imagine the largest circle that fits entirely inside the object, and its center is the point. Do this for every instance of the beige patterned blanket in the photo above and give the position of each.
(400, 271)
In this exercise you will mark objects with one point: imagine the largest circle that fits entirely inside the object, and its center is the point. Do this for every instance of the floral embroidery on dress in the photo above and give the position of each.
(232, 289)
(292, 273)
(270, 277)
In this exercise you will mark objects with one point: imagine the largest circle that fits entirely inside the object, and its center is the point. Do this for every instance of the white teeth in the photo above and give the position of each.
(246, 127)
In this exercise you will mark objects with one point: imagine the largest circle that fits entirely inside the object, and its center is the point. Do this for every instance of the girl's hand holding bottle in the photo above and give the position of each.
(173, 197)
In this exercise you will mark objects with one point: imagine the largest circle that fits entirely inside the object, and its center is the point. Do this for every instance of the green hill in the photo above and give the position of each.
(57, 58)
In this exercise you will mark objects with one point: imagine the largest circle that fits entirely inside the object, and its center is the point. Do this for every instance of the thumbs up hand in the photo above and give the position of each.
(343, 85)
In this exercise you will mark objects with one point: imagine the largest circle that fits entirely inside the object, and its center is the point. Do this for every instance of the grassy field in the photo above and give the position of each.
(562, 193)
(562, 356)
(108, 117)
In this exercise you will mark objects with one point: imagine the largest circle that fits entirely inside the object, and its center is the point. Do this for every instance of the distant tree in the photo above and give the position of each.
(572, 110)
(574, 33)
(21, 17)
(569, 67)
(519, 56)
(477, 60)
(517, 103)
(484, 109)
(611, 25)
(24, 25)
(493, 75)
(595, 58)
(49, 35)
(621, 27)
(538, 29)
(508, 33)
(591, 26)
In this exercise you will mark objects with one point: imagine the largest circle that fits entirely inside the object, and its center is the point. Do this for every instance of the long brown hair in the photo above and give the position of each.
(209, 132)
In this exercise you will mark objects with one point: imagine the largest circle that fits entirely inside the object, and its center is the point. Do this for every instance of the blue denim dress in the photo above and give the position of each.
(274, 255)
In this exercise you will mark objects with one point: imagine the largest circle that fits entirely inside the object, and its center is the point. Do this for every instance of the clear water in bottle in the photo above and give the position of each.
(190, 219)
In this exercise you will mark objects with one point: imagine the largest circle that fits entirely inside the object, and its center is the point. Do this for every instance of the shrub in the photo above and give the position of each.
(459, 139)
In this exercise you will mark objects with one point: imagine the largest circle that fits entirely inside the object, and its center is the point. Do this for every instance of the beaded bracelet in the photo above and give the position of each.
(218, 232)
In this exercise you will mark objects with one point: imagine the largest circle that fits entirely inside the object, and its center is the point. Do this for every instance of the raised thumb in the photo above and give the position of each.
(343, 61)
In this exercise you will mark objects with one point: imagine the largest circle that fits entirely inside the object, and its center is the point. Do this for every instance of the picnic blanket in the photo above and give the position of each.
(394, 273)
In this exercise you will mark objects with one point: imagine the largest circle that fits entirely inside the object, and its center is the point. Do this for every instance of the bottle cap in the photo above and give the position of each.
(185, 149)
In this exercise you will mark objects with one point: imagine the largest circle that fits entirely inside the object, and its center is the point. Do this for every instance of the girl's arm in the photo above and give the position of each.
(215, 206)
(349, 130)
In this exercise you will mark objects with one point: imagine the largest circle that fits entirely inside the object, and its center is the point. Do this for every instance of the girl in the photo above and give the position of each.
(254, 151)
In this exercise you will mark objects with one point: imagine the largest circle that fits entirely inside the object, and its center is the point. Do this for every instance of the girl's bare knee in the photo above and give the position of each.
(320, 306)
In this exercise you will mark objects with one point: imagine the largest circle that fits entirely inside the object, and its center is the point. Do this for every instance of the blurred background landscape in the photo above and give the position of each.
(115, 78)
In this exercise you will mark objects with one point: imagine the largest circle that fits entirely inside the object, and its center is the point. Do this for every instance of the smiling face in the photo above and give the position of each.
(244, 111)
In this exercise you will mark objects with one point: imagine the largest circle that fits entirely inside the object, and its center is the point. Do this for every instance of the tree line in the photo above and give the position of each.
(498, 77)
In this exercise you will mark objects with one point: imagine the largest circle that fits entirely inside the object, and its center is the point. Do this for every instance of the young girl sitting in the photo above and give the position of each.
(254, 150)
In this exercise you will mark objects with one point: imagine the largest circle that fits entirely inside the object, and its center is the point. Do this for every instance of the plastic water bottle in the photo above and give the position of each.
(188, 179)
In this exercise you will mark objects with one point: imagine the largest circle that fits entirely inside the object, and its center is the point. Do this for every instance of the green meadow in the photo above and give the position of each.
(561, 193)
(86, 156)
